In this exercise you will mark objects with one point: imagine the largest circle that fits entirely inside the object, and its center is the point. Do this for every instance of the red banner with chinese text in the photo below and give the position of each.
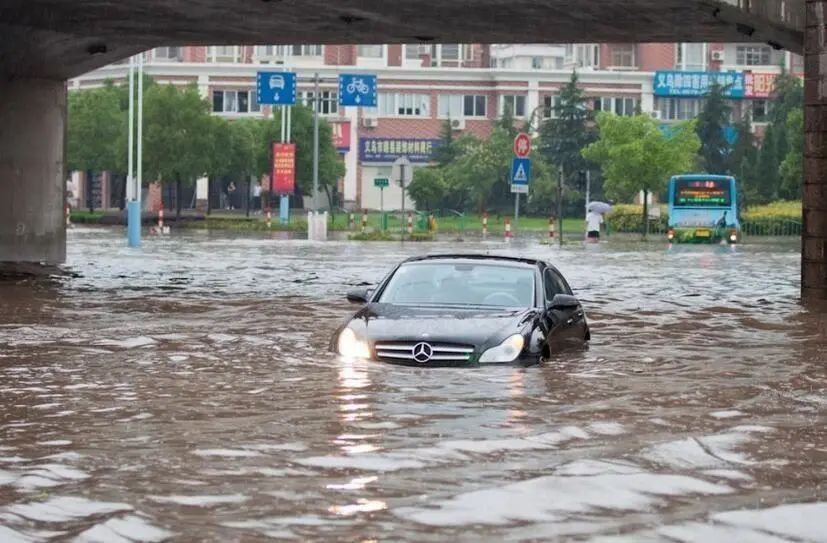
(284, 168)
(341, 136)
(759, 85)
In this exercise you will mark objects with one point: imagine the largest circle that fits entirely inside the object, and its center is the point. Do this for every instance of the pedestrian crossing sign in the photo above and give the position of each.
(520, 174)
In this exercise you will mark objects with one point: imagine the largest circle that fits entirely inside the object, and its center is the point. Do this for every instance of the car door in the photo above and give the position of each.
(566, 327)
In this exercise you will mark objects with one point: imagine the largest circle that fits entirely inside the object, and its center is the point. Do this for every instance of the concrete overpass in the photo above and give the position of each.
(44, 42)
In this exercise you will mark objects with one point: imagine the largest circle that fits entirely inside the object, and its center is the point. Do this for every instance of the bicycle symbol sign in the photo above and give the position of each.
(357, 90)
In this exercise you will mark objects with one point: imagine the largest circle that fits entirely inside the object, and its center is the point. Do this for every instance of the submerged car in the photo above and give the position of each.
(464, 310)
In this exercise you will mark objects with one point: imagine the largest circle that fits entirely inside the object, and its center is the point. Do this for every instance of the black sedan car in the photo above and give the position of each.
(451, 310)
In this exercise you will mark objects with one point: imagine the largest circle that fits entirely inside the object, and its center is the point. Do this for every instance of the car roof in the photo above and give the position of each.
(498, 259)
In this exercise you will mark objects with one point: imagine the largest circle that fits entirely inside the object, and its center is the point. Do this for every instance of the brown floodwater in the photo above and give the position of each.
(184, 392)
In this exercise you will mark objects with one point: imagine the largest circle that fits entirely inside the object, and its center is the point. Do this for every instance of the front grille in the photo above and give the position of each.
(413, 351)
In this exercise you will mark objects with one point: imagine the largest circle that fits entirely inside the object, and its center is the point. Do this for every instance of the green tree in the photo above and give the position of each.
(742, 159)
(792, 167)
(712, 121)
(542, 191)
(767, 176)
(787, 97)
(94, 126)
(636, 154)
(331, 166)
(234, 151)
(563, 137)
(446, 152)
(428, 188)
(178, 136)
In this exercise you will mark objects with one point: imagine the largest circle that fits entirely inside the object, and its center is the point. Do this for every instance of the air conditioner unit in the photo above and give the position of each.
(717, 56)
(370, 122)
(656, 115)
(457, 124)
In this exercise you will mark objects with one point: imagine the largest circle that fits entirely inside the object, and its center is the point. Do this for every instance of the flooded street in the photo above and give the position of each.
(185, 392)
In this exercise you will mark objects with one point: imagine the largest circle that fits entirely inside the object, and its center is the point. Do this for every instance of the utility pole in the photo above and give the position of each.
(402, 184)
(133, 205)
(560, 208)
(140, 157)
(588, 188)
(316, 104)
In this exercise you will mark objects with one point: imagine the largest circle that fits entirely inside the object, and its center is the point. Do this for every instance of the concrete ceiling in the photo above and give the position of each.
(64, 38)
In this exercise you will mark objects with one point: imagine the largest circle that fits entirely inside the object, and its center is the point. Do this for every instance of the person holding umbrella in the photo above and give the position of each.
(594, 218)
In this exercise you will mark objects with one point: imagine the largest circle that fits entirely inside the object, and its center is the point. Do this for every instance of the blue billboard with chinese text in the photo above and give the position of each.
(389, 149)
(678, 84)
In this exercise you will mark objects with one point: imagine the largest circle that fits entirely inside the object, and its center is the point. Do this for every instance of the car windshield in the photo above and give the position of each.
(432, 283)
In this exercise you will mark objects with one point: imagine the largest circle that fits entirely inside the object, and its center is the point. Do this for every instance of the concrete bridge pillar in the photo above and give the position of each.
(32, 171)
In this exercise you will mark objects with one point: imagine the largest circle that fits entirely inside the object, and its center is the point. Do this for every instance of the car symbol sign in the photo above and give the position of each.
(422, 352)
(276, 82)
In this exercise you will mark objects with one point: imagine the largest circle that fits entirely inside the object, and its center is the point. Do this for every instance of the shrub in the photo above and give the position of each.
(421, 236)
(790, 211)
(628, 218)
(376, 235)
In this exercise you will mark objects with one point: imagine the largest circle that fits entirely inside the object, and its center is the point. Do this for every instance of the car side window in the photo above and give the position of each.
(554, 284)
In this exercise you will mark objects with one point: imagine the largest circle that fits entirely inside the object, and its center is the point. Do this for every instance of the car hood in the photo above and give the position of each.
(463, 325)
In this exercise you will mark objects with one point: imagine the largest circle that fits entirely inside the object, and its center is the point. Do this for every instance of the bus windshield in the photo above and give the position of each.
(702, 193)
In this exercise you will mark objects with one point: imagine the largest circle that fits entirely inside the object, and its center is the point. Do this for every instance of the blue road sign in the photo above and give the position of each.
(357, 90)
(521, 171)
(276, 88)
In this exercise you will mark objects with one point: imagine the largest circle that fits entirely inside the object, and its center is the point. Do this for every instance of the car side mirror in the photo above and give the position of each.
(564, 301)
(359, 296)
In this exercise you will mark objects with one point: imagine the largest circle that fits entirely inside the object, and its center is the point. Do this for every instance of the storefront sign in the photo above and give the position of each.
(759, 85)
(341, 136)
(389, 149)
(694, 84)
(284, 168)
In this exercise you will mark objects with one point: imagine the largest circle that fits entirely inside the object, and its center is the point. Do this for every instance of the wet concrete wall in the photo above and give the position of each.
(32, 171)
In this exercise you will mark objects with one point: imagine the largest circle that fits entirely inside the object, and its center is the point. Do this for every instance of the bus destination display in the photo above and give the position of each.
(697, 193)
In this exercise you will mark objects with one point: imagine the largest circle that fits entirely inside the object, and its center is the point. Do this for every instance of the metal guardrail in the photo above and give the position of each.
(787, 12)
(771, 227)
(631, 224)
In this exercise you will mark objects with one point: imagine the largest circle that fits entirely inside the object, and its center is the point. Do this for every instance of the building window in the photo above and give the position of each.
(168, 53)
(413, 51)
(584, 55)
(328, 103)
(270, 51)
(625, 107)
(370, 51)
(449, 51)
(623, 55)
(404, 105)
(752, 55)
(281, 51)
(550, 105)
(760, 111)
(537, 63)
(516, 103)
(474, 105)
(224, 53)
(306, 50)
(467, 52)
(231, 101)
(690, 56)
(678, 109)
(455, 106)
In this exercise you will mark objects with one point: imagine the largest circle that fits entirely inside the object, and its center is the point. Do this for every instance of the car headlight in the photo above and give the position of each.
(352, 347)
(507, 351)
